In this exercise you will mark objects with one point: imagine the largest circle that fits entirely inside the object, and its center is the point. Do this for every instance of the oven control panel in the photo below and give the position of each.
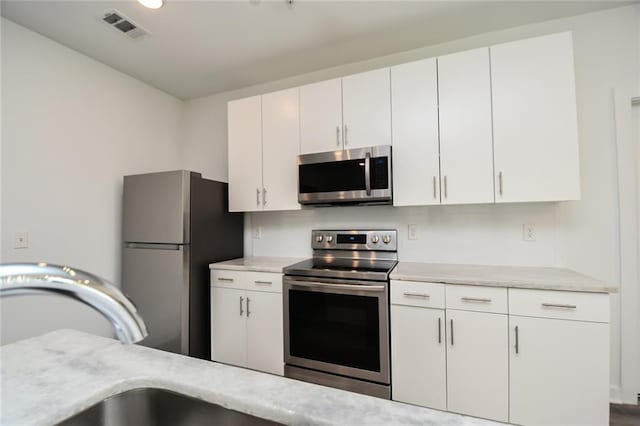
(377, 239)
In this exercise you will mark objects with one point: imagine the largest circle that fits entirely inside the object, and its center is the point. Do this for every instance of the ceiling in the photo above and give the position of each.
(198, 48)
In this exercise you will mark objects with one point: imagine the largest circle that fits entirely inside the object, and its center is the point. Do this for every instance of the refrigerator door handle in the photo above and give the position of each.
(147, 246)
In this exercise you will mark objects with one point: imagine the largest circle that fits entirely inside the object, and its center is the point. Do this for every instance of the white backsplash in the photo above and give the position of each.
(474, 234)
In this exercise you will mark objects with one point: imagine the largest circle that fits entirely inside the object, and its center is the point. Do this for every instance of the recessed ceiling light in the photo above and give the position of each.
(151, 4)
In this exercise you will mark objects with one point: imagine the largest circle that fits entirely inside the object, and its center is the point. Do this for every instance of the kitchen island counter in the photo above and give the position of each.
(54, 376)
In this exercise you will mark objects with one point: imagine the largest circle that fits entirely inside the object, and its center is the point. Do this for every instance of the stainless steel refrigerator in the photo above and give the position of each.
(174, 225)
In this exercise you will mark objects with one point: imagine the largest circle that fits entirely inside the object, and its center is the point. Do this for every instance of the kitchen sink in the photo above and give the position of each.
(159, 407)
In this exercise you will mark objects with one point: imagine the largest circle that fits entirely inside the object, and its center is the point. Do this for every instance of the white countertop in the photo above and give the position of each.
(49, 378)
(501, 276)
(257, 264)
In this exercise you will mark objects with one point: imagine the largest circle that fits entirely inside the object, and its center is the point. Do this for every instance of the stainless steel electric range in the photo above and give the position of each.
(336, 311)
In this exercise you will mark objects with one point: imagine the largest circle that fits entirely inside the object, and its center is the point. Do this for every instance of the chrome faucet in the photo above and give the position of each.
(35, 278)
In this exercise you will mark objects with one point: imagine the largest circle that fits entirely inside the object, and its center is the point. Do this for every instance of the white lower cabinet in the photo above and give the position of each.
(246, 324)
(523, 356)
(478, 364)
(228, 326)
(265, 332)
(418, 359)
(559, 369)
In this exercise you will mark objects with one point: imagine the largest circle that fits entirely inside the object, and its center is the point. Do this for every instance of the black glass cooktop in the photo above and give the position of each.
(378, 270)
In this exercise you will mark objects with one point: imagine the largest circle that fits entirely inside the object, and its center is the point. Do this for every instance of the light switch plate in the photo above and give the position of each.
(257, 232)
(21, 240)
(529, 232)
(413, 232)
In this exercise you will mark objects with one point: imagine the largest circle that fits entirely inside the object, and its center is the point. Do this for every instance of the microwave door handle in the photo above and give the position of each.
(367, 172)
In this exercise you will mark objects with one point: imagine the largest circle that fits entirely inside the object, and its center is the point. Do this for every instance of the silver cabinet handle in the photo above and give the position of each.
(555, 305)
(452, 332)
(263, 282)
(424, 296)
(517, 348)
(264, 196)
(338, 135)
(434, 187)
(257, 196)
(475, 299)
(367, 172)
(241, 311)
(248, 311)
(345, 135)
(225, 279)
(445, 186)
(500, 183)
(439, 330)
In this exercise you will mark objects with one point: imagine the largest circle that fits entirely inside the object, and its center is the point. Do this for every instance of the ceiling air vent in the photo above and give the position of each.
(123, 25)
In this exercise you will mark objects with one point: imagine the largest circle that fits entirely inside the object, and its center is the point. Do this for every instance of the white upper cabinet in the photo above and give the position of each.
(366, 107)
(245, 154)
(321, 116)
(280, 147)
(466, 148)
(414, 107)
(535, 120)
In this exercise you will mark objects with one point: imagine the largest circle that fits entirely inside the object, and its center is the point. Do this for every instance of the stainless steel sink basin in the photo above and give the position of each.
(159, 407)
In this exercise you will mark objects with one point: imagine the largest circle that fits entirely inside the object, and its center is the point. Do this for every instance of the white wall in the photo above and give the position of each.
(581, 235)
(72, 127)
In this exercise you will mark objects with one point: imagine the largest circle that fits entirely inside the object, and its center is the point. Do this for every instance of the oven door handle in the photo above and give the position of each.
(319, 285)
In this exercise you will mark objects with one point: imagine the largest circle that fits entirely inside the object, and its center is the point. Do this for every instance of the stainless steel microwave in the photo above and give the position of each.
(354, 176)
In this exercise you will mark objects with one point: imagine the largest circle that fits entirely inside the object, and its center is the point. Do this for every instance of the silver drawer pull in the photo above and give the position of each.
(475, 299)
(226, 279)
(422, 295)
(263, 282)
(555, 305)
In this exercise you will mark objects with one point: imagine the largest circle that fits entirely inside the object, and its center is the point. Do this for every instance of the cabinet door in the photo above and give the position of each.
(466, 146)
(228, 326)
(265, 342)
(414, 107)
(418, 356)
(280, 147)
(535, 120)
(245, 154)
(366, 103)
(560, 373)
(321, 116)
(478, 364)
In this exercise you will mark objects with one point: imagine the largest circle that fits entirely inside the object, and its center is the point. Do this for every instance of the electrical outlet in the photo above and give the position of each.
(413, 232)
(21, 240)
(529, 232)
(257, 232)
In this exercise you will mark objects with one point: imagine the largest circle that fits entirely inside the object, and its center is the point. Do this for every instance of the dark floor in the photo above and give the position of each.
(624, 415)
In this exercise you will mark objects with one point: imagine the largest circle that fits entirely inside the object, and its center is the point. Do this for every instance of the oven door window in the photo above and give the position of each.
(334, 328)
(334, 176)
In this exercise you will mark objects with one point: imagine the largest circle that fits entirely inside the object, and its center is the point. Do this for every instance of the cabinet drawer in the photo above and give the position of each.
(477, 298)
(264, 281)
(415, 293)
(247, 280)
(559, 304)
(228, 279)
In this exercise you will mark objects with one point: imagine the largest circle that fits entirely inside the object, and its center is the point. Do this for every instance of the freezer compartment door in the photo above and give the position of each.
(156, 279)
(156, 207)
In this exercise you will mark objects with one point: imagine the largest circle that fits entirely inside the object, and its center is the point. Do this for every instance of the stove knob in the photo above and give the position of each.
(319, 238)
(386, 239)
(329, 238)
(375, 239)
